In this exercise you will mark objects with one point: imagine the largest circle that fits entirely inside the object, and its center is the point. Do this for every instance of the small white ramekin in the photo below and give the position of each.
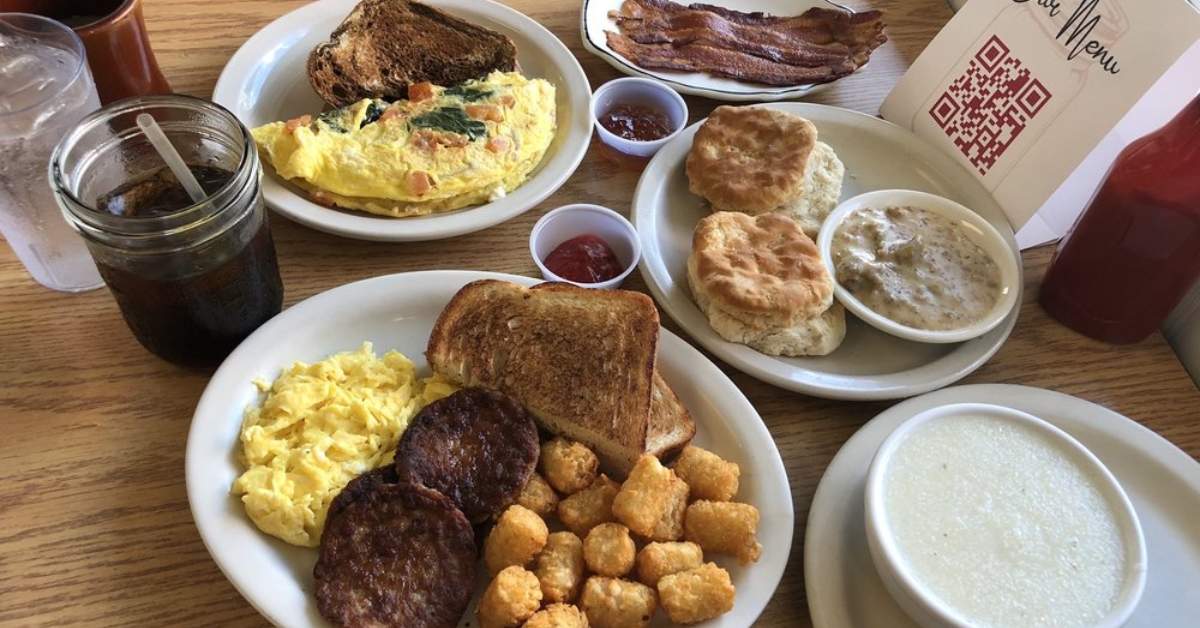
(926, 609)
(638, 91)
(980, 232)
(569, 221)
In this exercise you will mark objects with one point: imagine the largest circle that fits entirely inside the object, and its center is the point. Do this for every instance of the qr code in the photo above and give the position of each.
(986, 109)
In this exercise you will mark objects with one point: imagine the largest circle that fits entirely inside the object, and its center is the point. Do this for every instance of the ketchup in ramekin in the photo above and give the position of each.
(584, 259)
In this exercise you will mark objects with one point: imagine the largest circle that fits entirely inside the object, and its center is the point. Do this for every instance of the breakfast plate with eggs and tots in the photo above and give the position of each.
(390, 453)
(397, 120)
(822, 250)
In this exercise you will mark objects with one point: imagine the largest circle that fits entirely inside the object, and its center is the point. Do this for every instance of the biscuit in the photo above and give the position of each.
(762, 270)
(822, 190)
(750, 159)
(816, 336)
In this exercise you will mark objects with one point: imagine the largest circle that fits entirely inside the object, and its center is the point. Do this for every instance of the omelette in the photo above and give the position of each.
(443, 148)
(319, 426)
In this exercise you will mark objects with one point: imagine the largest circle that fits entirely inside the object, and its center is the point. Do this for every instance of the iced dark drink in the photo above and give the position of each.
(192, 279)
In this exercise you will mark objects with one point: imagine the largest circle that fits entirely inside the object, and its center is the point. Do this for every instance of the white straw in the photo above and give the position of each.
(175, 162)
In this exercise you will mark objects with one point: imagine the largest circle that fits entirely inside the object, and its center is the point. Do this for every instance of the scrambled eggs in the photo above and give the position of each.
(320, 426)
(442, 149)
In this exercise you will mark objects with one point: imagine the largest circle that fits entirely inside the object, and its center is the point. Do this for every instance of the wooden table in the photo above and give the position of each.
(94, 520)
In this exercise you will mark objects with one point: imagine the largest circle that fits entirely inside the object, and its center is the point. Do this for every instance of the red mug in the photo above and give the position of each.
(114, 33)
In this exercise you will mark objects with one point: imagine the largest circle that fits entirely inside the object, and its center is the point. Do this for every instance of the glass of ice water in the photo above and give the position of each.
(45, 89)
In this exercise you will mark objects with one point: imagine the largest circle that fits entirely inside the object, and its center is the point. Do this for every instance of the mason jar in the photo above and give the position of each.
(192, 279)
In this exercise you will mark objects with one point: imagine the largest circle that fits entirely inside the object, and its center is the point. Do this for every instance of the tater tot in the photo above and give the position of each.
(516, 538)
(708, 476)
(568, 466)
(511, 598)
(560, 567)
(558, 616)
(652, 501)
(590, 507)
(538, 496)
(663, 559)
(696, 594)
(724, 528)
(612, 603)
(608, 550)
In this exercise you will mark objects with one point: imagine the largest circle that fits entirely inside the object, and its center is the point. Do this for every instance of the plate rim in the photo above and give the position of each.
(728, 352)
(746, 417)
(361, 226)
(1017, 396)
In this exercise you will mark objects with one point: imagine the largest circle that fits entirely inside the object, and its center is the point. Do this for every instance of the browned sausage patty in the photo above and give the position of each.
(358, 486)
(395, 555)
(477, 446)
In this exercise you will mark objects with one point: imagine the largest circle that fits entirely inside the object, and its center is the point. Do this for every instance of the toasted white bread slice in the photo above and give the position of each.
(671, 427)
(581, 361)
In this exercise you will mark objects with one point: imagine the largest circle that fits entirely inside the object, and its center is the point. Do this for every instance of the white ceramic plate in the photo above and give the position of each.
(398, 312)
(1163, 483)
(870, 364)
(266, 81)
(594, 20)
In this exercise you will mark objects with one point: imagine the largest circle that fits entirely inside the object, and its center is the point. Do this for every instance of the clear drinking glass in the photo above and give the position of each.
(45, 89)
(192, 279)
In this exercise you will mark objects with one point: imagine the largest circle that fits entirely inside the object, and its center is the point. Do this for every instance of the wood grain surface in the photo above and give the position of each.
(94, 520)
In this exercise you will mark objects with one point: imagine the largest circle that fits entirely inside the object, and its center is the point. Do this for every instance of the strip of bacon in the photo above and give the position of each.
(711, 30)
(698, 37)
(721, 62)
(818, 26)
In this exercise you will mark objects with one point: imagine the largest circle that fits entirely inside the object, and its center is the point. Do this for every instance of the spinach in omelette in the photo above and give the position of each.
(443, 148)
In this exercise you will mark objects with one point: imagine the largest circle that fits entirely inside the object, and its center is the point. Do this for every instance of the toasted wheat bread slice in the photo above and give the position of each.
(581, 361)
(384, 46)
(671, 427)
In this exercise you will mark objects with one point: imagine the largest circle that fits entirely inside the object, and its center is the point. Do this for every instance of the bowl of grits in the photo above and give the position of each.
(919, 266)
(981, 515)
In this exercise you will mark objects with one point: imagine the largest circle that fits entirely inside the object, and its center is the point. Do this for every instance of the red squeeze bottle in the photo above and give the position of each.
(1135, 251)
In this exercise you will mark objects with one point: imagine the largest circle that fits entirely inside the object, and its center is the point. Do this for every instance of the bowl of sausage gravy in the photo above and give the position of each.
(919, 266)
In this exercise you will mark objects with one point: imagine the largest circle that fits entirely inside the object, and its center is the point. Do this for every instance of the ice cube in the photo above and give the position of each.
(30, 72)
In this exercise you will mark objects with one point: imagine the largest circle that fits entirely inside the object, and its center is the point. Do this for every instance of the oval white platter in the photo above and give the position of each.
(594, 20)
(1162, 482)
(266, 81)
(870, 364)
(398, 312)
